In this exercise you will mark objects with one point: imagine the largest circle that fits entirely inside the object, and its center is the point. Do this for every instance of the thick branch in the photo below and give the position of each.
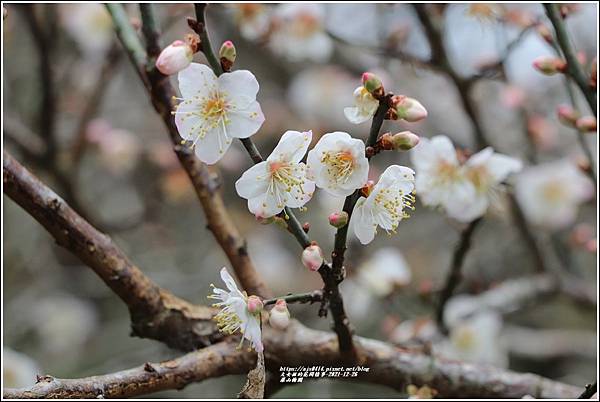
(388, 366)
(155, 313)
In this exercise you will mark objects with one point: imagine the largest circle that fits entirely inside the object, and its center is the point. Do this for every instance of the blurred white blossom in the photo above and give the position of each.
(119, 149)
(90, 26)
(279, 181)
(298, 32)
(551, 193)
(338, 164)
(252, 19)
(385, 205)
(18, 369)
(216, 109)
(464, 191)
(384, 271)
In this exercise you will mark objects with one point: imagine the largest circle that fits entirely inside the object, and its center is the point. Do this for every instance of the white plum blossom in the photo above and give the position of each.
(90, 26)
(252, 19)
(384, 271)
(216, 109)
(365, 106)
(476, 339)
(280, 181)
(234, 312)
(18, 369)
(298, 32)
(551, 193)
(338, 164)
(463, 191)
(385, 204)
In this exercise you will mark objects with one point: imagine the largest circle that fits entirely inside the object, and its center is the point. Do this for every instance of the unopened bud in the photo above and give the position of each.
(306, 227)
(312, 257)
(366, 189)
(174, 58)
(409, 109)
(404, 141)
(545, 33)
(549, 65)
(373, 84)
(587, 124)
(280, 315)
(567, 115)
(227, 55)
(255, 305)
(338, 219)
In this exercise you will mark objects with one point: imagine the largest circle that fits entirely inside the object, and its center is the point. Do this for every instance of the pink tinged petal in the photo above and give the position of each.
(362, 223)
(242, 123)
(239, 83)
(196, 80)
(265, 205)
(254, 181)
(211, 148)
(291, 147)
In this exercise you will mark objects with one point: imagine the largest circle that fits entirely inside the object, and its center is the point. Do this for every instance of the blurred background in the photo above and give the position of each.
(76, 114)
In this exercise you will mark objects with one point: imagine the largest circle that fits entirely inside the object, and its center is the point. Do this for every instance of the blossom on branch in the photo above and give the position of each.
(365, 106)
(551, 193)
(280, 181)
(338, 164)
(384, 203)
(463, 191)
(216, 109)
(238, 311)
(174, 58)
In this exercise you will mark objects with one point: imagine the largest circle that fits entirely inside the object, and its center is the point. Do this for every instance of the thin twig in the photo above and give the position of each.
(455, 273)
(573, 67)
(590, 390)
(310, 297)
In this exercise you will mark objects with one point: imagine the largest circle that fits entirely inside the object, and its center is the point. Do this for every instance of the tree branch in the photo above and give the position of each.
(455, 273)
(218, 219)
(155, 313)
(573, 67)
(298, 346)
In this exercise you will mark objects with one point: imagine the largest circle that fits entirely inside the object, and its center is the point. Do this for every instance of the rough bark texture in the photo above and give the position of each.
(155, 313)
(301, 346)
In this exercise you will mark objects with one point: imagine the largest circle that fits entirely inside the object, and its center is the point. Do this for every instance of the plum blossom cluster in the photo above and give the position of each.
(462, 189)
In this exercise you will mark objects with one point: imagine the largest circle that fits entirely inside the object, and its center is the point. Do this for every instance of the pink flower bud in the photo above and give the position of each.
(280, 315)
(312, 257)
(227, 55)
(255, 305)
(567, 115)
(549, 65)
(408, 109)
(373, 84)
(404, 140)
(338, 219)
(545, 33)
(586, 124)
(174, 58)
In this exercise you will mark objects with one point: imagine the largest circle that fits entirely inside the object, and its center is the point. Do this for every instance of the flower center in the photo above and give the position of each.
(227, 320)
(464, 338)
(392, 202)
(283, 173)
(446, 172)
(305, 25)
(553, 191)
(214, 107)
(340, 165)
(480, 178)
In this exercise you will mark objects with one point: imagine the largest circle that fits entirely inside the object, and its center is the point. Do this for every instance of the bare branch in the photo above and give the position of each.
(388, 366)
(155, 313)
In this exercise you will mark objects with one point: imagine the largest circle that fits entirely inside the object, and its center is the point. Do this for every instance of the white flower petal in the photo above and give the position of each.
(210, 148)
(362, 224)
(242, 123)
(254, 181)
(253, 333)
(196, 80)
(354, 115)
(189, 123)
(291, 147)
(238, 83)
(230, 282)
(265, 205)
